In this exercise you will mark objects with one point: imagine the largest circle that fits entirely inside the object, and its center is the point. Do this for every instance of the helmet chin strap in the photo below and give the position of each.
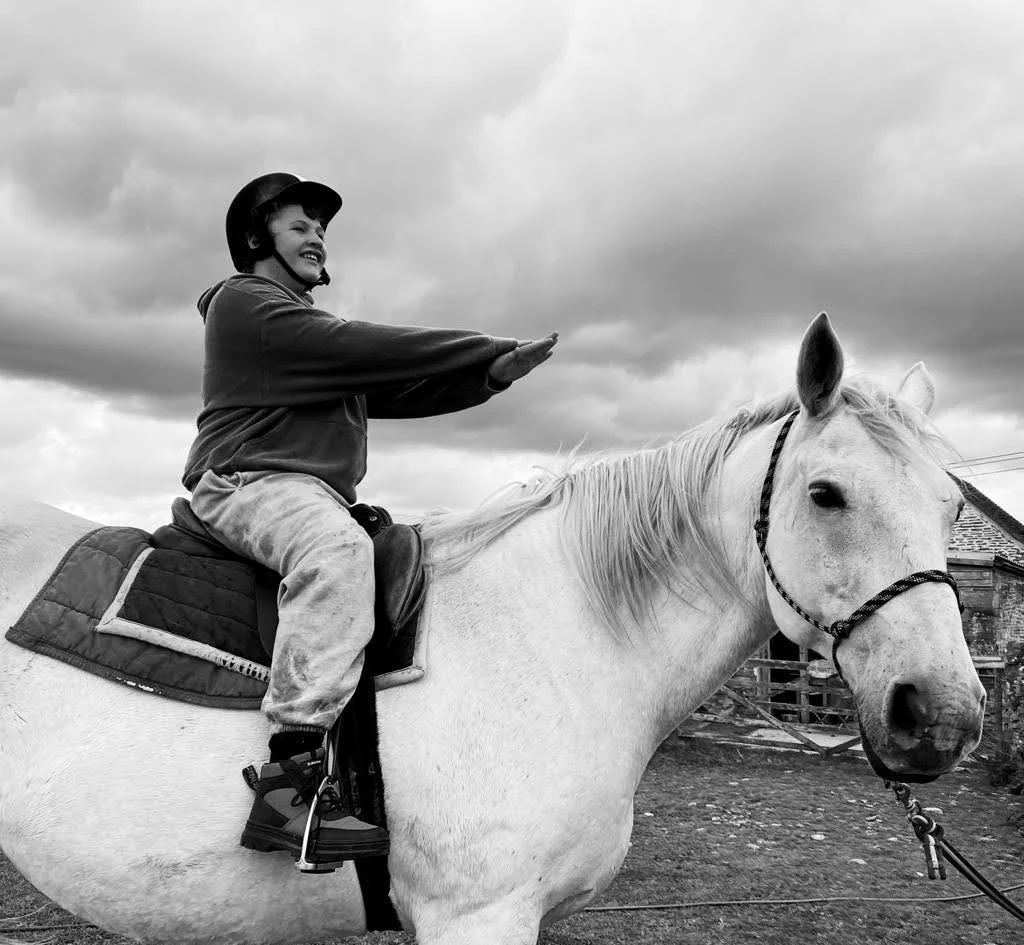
(323, 280)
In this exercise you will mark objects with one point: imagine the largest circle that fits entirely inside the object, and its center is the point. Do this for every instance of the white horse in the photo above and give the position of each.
(573, 623)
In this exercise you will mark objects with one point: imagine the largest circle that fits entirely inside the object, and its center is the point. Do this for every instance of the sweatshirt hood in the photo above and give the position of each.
(207, 297)
(248, 280)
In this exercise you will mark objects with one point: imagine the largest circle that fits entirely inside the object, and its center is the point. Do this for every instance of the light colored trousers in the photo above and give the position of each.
(299, 527)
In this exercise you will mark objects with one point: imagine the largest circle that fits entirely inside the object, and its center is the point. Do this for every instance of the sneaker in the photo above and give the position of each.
(277, 821)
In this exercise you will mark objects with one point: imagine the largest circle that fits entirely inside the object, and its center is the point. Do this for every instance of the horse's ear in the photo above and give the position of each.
(918, 388)
(819, 369)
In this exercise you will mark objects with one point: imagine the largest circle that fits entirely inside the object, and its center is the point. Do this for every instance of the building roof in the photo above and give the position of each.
(986, 527)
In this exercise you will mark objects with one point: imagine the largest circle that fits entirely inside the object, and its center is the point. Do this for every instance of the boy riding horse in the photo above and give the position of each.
(280, 449)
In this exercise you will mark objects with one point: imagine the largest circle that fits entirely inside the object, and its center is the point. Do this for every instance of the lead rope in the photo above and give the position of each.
(938, 850)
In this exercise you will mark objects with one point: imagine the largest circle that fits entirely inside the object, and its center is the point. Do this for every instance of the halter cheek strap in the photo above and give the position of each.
(839, 630)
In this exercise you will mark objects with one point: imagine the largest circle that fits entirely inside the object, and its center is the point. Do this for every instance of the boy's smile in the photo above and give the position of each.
(299, 239)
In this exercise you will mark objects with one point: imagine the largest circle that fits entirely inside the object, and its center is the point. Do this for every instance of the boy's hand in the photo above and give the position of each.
(517, 363)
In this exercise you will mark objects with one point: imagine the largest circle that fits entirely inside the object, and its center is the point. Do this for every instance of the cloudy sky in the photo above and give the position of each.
(676, 187)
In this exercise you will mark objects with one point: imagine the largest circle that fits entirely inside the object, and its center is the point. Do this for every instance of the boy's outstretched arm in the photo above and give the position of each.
(517, 363)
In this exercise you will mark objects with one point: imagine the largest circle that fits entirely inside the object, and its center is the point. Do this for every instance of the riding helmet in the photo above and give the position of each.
(244, 211)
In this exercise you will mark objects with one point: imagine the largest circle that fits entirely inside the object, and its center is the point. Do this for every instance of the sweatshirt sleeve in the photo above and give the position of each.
(309, 355)
(432, 396)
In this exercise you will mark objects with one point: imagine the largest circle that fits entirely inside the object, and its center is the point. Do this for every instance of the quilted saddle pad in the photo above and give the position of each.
(173, 623)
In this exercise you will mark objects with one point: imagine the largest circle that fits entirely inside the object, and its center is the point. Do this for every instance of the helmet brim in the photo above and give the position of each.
(309, 194)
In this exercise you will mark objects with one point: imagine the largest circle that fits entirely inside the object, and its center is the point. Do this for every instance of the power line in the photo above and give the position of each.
(994, 458)
(988, 472)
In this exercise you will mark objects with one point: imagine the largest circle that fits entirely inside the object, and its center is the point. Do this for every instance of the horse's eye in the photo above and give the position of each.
(826, 496)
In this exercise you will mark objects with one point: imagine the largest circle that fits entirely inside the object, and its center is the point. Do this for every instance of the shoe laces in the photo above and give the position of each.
(306, 780)
(331, 801)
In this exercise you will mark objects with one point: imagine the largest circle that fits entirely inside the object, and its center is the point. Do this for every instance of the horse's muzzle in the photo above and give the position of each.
(886, 773)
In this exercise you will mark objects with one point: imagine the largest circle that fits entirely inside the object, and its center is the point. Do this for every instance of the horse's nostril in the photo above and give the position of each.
(909, 711)
(899, 712)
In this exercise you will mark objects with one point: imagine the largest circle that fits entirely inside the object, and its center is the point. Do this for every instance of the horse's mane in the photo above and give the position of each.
(626, 518)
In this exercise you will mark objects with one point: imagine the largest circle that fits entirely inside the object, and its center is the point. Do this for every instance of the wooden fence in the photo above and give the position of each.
(805, 694)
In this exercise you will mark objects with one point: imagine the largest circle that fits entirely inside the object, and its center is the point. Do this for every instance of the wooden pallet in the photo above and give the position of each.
(823, 740)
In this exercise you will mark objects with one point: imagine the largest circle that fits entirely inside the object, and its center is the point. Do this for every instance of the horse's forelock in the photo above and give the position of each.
(895, 425)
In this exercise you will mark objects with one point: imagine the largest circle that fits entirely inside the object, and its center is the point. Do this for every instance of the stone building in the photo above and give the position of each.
(986, 528)
(986, 557)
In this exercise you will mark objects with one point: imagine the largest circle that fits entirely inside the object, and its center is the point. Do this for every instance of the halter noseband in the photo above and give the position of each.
(839, 630)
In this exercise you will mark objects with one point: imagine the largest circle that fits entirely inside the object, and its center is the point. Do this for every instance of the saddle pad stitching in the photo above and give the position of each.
(97, 548)
(200, 610)
(199, 580)
(49, 585)
(64, 605)
(128, 582)
(205, 581)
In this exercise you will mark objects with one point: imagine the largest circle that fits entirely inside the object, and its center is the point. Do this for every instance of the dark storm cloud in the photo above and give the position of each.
(155, 357)
(658, 184)
(868, 173)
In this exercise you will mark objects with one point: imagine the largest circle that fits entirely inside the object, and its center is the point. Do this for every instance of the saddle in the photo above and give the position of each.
(398, 572)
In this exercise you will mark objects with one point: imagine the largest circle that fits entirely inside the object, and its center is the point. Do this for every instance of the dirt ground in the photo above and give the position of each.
(716, 824)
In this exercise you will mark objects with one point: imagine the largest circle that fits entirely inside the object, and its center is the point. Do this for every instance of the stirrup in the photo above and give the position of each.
(304, 864)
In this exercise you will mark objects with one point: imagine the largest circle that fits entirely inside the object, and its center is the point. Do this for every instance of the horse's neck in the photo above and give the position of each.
(521, 607)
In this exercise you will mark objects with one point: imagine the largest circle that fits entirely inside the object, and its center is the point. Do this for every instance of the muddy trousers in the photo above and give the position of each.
(299, 527)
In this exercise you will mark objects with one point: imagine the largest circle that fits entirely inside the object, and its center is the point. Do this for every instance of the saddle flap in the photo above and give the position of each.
(399, 573)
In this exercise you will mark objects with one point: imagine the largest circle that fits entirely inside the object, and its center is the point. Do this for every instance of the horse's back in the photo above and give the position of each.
(33, 539)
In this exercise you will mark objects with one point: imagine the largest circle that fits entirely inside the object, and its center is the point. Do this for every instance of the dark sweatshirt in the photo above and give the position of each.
(289, 387)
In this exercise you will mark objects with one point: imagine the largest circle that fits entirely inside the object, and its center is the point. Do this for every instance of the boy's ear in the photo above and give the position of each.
(253, 241)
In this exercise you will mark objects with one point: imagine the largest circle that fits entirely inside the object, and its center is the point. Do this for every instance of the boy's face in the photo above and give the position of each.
(300, 240)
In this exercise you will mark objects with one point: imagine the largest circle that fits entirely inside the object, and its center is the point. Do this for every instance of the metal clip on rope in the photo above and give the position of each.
(938, 850)
(926, 829)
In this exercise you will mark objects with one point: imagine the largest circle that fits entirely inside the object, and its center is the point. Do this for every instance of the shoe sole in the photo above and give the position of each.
(259, 838)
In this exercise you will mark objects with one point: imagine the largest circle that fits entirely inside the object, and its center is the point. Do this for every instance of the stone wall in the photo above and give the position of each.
(1013, 705)
(992, 589)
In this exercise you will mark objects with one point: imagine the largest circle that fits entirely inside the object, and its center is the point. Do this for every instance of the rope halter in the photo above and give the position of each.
(839, 630)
